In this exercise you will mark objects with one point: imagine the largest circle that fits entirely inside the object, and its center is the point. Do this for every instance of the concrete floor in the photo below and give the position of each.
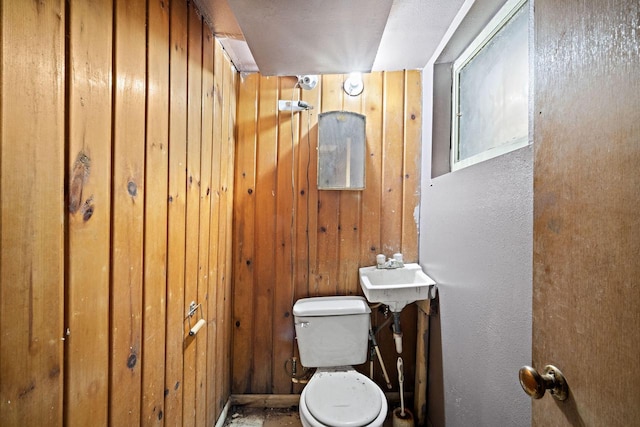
(256, 417)
(260, 417)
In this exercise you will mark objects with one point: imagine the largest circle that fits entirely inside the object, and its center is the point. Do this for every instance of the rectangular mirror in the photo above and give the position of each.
(341, 150)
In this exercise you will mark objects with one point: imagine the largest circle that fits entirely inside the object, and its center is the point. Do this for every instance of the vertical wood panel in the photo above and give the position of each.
(244, 236)
(372, 196)
(265, 276)
(194, 134)
(155, 245)
(392, 152)
(215, 305)
(89, 186)
(127, 212)
(326, 278)
(208, 132)
(205, 222)
(307, 194)
(223, 276)
(349, 225)
(231, 84)
(287, 162)
(176, 213)
(224, 231)
(32, 218)
(306, 206)
(411, 166)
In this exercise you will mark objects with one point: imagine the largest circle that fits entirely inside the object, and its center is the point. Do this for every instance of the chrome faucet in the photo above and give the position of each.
(391, 263)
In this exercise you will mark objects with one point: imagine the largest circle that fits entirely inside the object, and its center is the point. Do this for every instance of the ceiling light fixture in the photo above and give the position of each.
(354, 85)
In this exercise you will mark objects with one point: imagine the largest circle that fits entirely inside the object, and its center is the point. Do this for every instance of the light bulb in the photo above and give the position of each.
(354, 85)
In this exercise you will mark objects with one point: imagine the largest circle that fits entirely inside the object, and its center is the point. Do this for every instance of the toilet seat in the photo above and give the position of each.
(343, 398)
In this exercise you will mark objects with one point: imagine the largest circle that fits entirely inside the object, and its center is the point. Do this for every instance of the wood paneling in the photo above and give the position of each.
(175, 328)
(155, 224)
(32, 219)
(205, 224)
(127, 212)
(117, 155)
(327, 260)
(227, 159)
(265, 239)
(194, 136)
(117, 187)
(216, 294)
(211, 307)
(246, 214)
(89, 107)
(293, 241)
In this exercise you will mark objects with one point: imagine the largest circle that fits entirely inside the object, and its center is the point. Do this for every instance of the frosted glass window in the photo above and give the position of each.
(491, 89)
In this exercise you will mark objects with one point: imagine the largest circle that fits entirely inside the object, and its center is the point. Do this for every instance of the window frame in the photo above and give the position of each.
(495, 25)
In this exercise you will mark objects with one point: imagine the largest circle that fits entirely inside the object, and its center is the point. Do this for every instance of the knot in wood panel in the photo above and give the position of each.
(132, 189)
(79, 175)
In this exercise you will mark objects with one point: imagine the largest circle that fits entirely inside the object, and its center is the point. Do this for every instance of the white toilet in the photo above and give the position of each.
(333, 334)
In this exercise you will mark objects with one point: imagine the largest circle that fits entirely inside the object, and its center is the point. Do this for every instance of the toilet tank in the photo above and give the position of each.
(332, 331)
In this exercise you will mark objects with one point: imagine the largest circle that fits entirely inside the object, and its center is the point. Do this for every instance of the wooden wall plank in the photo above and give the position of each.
(392, 152)
(214, 387)
(231, 85)
(176, 213)
(307, 194)
(128, 191)
(326, 278)
(306, 206)
(205, 221)
(216, 250)
(421, 366)
(155, 244)
(245, 177)
(32, 218)
(412, 163)
(265, 269)
(372, 196)
(224, 237)
(285, 231)
(194, 135)
(349, 225)
(89, 107)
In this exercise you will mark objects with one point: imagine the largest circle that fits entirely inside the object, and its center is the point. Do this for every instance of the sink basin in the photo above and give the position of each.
(395, 287)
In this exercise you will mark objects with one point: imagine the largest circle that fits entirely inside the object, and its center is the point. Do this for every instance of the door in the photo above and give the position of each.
(586, 274)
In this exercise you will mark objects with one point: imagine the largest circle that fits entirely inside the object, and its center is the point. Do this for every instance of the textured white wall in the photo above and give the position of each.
(476, 242)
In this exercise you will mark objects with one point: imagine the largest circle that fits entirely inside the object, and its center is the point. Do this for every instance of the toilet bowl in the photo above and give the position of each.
(341, 398)
(333, 335)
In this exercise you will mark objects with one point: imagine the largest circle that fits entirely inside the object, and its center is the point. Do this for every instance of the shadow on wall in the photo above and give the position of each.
(435, 383)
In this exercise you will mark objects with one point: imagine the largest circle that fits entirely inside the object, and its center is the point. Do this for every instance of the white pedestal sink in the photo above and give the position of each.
(395, 287)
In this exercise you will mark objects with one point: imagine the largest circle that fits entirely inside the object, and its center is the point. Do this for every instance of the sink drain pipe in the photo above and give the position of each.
(397, 333)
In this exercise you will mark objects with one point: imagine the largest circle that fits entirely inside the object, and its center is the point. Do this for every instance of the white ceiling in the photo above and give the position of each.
(297, 37)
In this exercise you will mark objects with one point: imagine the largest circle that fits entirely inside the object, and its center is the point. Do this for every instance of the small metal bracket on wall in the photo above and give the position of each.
(193, 309)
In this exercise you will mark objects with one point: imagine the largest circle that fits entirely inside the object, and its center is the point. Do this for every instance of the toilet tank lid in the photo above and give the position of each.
(330, 306)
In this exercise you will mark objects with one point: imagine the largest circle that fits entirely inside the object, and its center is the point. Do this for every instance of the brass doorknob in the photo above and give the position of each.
(551, 379)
